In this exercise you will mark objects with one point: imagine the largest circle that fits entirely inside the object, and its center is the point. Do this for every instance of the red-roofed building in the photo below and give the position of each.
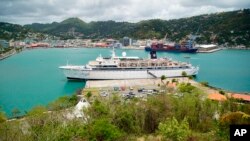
(243, 97)
(217, 97)
(171, 85)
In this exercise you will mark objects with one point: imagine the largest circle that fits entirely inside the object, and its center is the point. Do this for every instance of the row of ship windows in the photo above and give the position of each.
(169, 68)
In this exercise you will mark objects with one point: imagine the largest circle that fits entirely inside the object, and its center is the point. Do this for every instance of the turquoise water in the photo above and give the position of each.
(32, 77)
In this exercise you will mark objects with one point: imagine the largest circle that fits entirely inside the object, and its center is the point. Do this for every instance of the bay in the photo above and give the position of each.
(32, 77)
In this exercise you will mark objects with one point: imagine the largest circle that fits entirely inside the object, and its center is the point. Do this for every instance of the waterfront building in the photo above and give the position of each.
(206, 47)
(126, 41)
(4, 43)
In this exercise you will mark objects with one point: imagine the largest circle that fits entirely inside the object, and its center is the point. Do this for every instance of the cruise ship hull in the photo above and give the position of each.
(126, 74)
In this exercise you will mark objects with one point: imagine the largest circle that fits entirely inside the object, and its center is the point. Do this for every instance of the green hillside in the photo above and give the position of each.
(230, 28)
(12, 31)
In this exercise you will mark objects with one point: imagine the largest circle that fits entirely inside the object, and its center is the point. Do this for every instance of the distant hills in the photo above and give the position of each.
(12, 31)
(228, 28)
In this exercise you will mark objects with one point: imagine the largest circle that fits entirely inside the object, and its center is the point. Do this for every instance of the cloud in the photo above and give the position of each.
(44, 11)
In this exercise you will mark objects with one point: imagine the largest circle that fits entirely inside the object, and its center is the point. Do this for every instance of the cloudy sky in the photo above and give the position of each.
(46, 11)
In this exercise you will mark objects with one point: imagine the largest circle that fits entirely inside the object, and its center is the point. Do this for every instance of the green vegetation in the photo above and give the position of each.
(63, 102)
(161, 117)
(4, 50)
(221, 92)
(3, 117)
(89, 94)
(163, 77)
(172, 129)
(15, 112)
(204, 84)
(12, 31)
(15, 32)
(229, 28)
(186, 88)
(184, 74)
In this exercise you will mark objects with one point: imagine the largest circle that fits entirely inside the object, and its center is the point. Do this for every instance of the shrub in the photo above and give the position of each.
(221, 92)
(2, 117)
(204, 83)
(172, 129)
(89, 94)
(63, 102)
(188, 88)
(102, 129)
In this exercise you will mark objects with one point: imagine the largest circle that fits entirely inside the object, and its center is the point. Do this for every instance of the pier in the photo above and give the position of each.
(135, 82)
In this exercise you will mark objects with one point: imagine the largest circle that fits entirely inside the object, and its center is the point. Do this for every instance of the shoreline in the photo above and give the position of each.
(8, 54)
(134, 48)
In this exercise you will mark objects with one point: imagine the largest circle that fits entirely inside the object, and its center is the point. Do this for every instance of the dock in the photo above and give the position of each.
(212, 93)
(130, 82)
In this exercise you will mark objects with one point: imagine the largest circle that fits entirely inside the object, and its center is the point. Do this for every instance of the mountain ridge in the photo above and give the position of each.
(225, 28)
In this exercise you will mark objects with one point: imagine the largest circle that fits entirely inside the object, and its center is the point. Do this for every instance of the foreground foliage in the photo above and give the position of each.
(175, 130)
(183, 115)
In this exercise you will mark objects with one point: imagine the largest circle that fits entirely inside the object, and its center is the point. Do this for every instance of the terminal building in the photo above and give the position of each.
(207, 48)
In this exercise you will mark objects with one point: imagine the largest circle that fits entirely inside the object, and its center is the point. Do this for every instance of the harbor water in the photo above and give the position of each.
(32, 77)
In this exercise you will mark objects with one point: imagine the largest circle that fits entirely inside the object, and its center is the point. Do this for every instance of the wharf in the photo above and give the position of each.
(129, 82)
(211, 92)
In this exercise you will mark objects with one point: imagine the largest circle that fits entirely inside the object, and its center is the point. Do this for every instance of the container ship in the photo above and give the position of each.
(185, 46)
(125, 67)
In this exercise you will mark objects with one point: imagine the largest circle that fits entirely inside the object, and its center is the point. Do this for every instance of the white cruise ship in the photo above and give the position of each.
(125, 67)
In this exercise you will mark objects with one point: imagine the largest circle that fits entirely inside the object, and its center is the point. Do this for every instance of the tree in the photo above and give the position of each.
(102, 129)
(190, 77)
(63, 102)
(15, 112)
(204, 84)
(221, 92)
(163, 77)
(172, 129)
(232, 118)
(184, 74)
(89, 94)
(186, 88)
(36, 111)
(3, 117)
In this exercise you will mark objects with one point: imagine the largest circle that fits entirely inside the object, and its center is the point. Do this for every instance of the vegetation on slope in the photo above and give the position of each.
(12, 31)
(229, 28)
(189, 116)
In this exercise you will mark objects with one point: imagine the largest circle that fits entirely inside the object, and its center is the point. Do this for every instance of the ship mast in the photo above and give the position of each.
(113, 53)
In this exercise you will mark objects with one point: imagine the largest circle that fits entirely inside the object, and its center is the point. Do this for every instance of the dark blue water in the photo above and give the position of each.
(32, 77)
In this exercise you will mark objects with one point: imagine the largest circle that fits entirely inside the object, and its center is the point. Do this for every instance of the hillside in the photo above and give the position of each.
(182, 114)
(230, 28)
(12, 31)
